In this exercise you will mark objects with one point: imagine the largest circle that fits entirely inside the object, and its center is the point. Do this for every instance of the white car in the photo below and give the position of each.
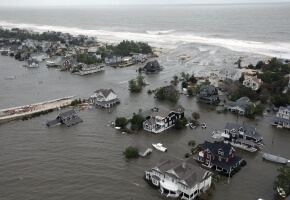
(203, 126)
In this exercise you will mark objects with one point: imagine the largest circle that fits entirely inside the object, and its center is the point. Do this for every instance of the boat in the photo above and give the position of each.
(274, 158)
(117, 127)
(159, 147)
(281, 192)
(243, 146)
(192, 126)
(217, 135)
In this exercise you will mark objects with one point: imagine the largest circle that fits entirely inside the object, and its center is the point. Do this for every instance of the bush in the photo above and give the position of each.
(191, 143)
(131, 152)
(210, 191)
(75, 102)
(187, 155)
(203, 196)
(149, 91)
(195, 115)
(121, 122)
(134, 127)
(243, 163)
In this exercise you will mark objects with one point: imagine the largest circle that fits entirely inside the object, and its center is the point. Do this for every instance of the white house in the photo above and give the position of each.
(32, 63)
(282, 117)
(252, 82)
(104, 98)
(162, 119)
(39, 56)
(113, 58)
(177, 177)
(229, 73)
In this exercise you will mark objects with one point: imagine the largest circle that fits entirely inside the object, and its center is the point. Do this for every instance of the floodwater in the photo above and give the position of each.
(85, 161)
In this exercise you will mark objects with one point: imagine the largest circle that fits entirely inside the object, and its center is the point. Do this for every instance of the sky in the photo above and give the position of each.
(29, 3)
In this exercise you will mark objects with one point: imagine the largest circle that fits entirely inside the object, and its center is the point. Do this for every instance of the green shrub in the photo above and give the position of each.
(191, 143)
(187, 155)
(131, 152)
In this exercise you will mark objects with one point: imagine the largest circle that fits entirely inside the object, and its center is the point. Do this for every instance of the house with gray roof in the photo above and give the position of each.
(229, 73)
(218, 155)
(252, 82)
(179, 178)
(242, 136)
(162, 119)
(104, 98)
(32, 63)
(68, 119)
(208, 94)
(152, 66)
(113, 58)
(282, 117)
(239, 105)
(39, 56)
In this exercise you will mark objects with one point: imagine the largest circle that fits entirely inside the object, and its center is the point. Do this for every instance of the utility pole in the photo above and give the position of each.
(229, 177)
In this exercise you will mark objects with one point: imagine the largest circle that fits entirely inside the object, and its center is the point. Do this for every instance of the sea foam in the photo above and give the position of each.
(167, 39)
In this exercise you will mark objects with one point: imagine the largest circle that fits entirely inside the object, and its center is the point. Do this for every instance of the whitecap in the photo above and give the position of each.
(159, 32)
(170, 40)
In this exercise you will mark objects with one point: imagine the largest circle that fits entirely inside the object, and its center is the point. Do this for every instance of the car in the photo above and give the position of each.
(203, 126)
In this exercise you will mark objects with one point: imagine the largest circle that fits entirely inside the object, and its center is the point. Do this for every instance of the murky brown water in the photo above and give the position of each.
(86, 161)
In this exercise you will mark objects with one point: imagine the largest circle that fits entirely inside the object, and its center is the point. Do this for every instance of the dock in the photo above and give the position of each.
(19, 112)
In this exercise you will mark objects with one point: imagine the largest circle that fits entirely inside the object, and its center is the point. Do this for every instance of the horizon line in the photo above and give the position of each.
(173, 4)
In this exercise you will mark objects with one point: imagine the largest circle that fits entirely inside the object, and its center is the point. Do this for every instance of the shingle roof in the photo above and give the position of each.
(227, 165)
(187, 171)
(230, 71)
(178, 109)
(162, 113)
(216, 146)
(209, 89)
(68, 118)
(105, 92)
(248, 130)
(152, 65)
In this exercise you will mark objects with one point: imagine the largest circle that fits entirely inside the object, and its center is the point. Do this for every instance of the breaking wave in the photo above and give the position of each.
(159, 32)
(167, 39)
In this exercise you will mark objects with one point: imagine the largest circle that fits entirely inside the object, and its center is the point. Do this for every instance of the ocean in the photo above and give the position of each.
(86, 161)
(252, 28)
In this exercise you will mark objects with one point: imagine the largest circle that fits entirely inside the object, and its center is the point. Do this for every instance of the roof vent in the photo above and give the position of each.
(183, 165)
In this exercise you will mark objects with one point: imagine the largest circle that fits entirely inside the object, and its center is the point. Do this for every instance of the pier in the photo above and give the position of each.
(19, 112)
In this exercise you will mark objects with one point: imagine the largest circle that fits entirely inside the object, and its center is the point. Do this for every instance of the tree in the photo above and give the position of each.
(137, 122)
(242, 78)
(184, 84)
(190, 91)
(175, 80)
(178, 124)
(192, 78)
(195, 115)
(185, 76)
(140, 80)
(283, 179)
(133, 87)
(137, 85)
(121, 122)
(131, 152)
(250, 110)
